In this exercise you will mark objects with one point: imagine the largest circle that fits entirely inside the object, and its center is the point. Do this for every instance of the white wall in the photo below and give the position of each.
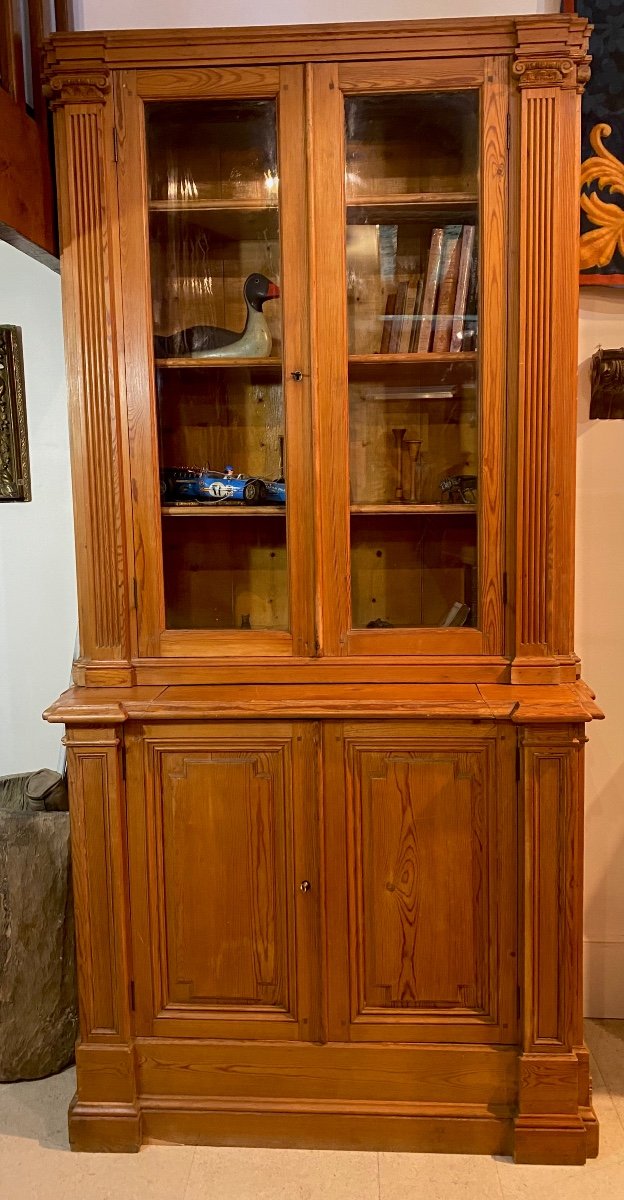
(600, 554)
(37, 576)
(185, 14)
(600, 642)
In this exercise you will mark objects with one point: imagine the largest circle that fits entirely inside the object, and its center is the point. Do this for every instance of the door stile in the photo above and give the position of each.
(329, 352)
(291, 133)
(140, 382)
(493, 324)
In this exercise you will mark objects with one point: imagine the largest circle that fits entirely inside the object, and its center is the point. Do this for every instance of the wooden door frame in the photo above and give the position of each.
(327, 83)
(134, 88)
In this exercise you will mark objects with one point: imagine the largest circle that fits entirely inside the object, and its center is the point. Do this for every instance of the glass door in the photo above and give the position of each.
(416, 191)
(222, 213)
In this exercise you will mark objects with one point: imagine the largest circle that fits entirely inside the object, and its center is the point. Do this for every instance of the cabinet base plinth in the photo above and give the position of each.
(104, 1128)
(99, 1128)
(556, 1140)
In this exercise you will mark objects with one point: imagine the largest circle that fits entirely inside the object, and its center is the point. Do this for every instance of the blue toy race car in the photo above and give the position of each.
(189, 485)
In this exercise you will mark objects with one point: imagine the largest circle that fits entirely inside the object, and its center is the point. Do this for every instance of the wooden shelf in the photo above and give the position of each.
(414, 369)
(227, 222)
(402, 510)
(394, 200)
(223, 364)
(406, 360)
(198, 206)
(223, 510)
(417, 206)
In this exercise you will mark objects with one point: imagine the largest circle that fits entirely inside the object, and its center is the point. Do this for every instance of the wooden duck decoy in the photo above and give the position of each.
(210, 341)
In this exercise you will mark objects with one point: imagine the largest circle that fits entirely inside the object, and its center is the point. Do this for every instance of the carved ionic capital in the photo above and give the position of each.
(583, 75)
(552, 72)
(540, 72)
(86, 88)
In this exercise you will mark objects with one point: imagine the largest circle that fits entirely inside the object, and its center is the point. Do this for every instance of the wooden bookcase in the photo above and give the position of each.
(327, 845)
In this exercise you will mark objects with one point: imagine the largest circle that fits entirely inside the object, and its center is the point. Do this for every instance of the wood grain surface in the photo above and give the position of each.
(328, 877)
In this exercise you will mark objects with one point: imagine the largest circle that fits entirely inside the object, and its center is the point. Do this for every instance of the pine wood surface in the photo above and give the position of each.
(523, 704)
(422, 989)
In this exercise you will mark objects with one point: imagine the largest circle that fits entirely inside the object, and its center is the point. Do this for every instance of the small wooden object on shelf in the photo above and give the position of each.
(414, 447)
(398, 435)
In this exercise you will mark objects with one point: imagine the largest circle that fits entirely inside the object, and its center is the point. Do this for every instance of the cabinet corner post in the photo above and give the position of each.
(555, 1122)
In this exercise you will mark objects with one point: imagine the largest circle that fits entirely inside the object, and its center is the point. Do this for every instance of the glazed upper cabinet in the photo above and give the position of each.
(212, 179)
(300, 257)
(411, 496)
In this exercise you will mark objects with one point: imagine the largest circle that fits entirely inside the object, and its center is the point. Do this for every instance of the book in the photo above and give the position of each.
(408, 317)
(447, 288)
(387, 324)
(461, 296)
(397, 320)
(431, 290)
(417, 315)
(469, 339)
(456, 615)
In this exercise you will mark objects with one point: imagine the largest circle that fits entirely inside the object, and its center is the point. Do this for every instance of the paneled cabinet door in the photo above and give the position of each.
(222, 836)
(421, 883)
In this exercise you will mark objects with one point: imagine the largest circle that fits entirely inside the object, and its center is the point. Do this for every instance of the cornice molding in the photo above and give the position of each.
(559, 35)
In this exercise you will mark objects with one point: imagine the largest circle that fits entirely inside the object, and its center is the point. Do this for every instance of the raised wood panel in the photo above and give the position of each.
(419, 938)
(99, 882)
(427, 834)
(227, 886)
(552, 853)
(86, 217)
(227, 829)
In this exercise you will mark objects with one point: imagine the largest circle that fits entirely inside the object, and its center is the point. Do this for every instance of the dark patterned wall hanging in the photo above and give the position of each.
(602, 145)
(14, 462)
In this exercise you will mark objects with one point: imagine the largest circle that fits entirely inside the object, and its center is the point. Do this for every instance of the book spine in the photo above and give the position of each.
(387, 325)
(469, 338)
(408, 318)
(431, 289)
(449, 271)
(467, 247)
(397, 320)
(416, 316)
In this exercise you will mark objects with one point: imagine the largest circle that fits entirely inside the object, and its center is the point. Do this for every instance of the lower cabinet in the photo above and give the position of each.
(336, 882)
(311, 933)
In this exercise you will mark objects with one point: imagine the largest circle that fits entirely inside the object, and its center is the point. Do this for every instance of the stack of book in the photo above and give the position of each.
(436, 311)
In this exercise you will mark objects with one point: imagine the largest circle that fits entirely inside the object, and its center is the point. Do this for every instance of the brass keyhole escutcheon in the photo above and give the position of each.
(305, 886)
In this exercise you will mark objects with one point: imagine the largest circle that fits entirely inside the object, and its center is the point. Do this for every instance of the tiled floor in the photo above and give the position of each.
(35, 1163)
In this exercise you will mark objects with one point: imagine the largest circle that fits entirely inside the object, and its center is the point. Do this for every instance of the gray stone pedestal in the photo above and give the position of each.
(38, 1022)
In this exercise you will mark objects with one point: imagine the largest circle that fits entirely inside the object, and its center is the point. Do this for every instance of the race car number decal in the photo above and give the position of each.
(219, 490)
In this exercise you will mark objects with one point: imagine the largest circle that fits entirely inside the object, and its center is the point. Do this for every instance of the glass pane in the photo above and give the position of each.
(215, 268)
(412, 302)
